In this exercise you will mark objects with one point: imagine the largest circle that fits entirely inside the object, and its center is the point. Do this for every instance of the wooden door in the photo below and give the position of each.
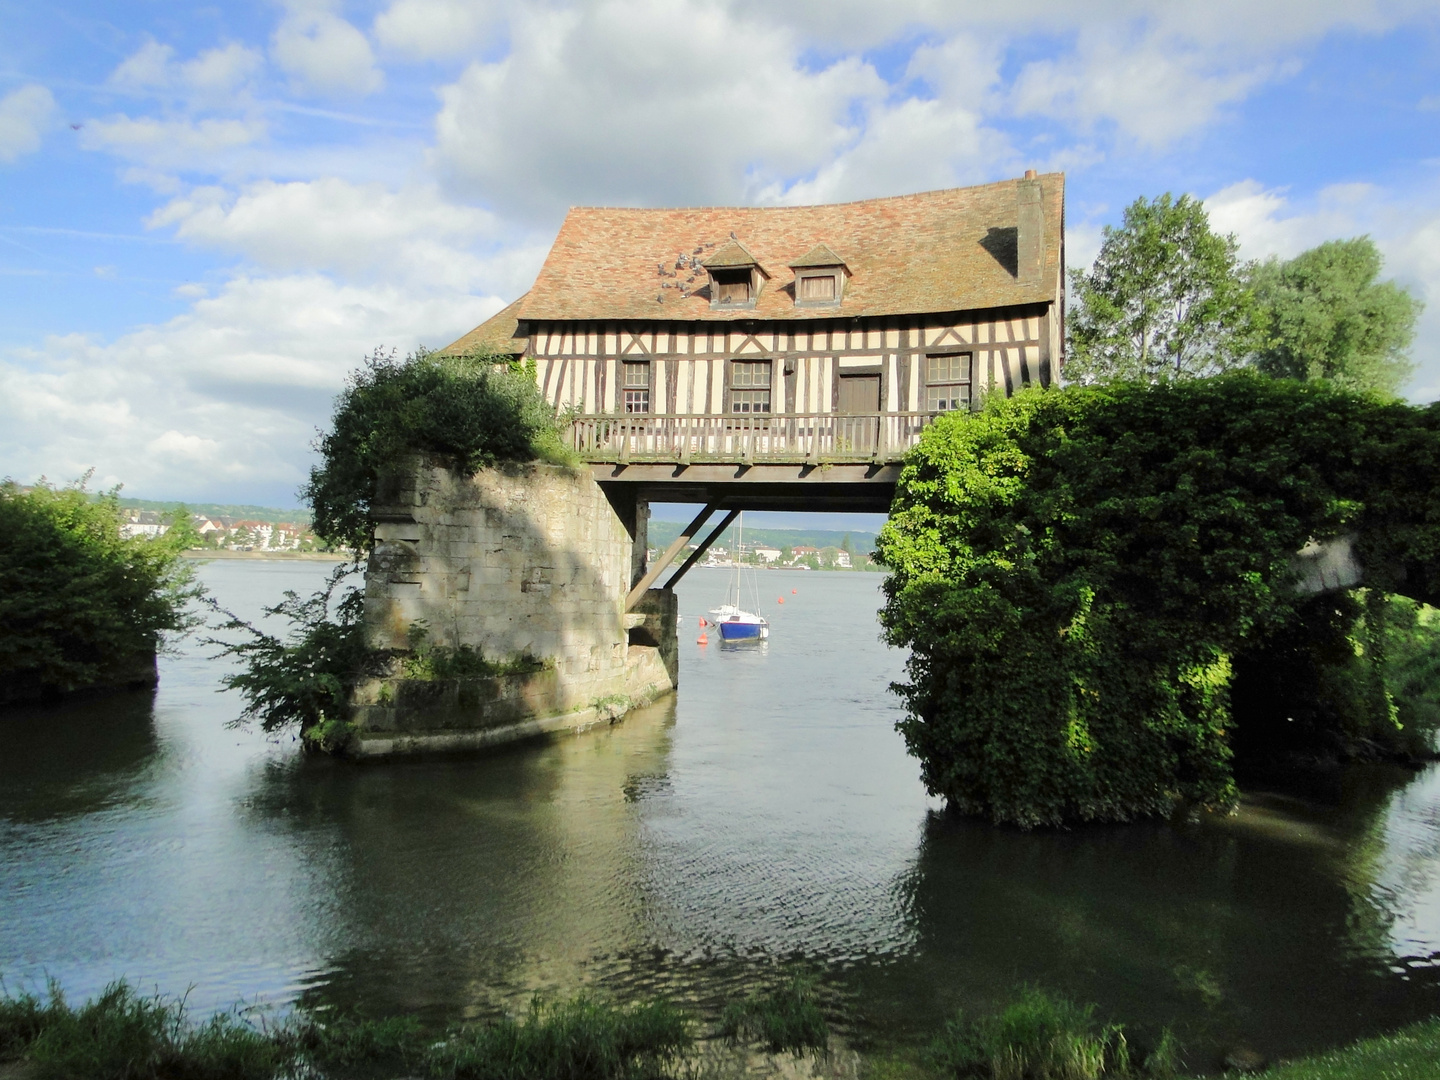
(859, 398)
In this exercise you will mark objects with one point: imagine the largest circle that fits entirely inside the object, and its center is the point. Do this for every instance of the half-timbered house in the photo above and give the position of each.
(790, 337)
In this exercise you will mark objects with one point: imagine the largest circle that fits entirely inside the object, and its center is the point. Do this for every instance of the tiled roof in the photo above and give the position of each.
(495, 335)
(951, 250)
(819, 255)
(732, 254)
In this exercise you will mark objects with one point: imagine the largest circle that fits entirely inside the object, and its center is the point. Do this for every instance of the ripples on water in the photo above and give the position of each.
(767, 816)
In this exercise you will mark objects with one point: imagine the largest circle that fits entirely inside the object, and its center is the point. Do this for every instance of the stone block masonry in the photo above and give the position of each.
(518, 561)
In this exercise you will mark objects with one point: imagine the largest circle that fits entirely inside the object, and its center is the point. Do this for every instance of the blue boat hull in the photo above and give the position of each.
(739, 630)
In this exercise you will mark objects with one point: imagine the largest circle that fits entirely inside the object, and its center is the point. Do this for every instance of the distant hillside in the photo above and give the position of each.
(229, 510)
(663, 532)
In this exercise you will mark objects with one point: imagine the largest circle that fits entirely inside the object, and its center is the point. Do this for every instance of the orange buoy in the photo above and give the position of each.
(779, 599)
(792, 592)
(703, 623)
(702, 639)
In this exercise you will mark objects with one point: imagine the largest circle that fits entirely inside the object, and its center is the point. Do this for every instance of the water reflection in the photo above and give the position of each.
(766, 816)
(78, 759)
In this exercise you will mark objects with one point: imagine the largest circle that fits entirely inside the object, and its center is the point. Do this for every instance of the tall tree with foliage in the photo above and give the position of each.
(79, 605)
(1076, 572)
(1328, 317)
(1166, 299)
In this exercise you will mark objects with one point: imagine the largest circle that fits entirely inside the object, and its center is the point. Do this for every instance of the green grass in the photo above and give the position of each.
(1042, 1037)
(1412, 1053)
(786, 1019)
(122, 1035)
(577, 1040)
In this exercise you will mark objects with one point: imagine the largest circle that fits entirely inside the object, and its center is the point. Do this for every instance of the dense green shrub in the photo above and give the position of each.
(79, 606)
(471, 411)
(1075, 572)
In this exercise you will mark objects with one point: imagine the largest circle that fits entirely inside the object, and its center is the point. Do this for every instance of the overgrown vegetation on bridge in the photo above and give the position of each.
(80, 606)
(470, 411)
(1084, 576)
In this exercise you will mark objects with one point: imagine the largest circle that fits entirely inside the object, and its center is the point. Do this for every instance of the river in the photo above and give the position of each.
(764, 819)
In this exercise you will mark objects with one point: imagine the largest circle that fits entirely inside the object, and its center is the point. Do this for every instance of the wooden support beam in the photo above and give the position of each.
(666, 559)
(699, 552)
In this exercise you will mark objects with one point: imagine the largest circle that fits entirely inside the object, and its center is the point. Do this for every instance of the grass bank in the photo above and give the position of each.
(123, 1035)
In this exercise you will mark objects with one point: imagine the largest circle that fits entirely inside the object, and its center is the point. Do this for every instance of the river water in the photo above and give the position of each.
(765, 819)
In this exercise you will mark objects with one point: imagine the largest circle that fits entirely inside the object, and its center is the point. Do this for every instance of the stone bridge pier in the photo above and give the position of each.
(532, 566)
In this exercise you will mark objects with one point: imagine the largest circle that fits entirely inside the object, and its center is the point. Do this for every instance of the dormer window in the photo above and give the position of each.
(817, 287)
(819, 278)
(731, 287)
(736, 278)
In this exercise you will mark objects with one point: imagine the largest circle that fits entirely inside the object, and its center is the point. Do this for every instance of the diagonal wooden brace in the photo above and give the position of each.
(699, 552)
(666, 559)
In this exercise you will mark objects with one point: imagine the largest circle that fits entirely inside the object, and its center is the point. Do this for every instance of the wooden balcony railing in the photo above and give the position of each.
(748, 438)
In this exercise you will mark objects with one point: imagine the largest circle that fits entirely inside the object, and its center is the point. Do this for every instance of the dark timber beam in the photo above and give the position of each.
(699, 552)
(666, 559)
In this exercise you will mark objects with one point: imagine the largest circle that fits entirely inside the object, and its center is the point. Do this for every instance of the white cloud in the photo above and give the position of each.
(911, 146)
(1154, 89)
(643, 101)
(165, 144)
(149, 67)
(213, 77)
(1406, 228)
(25, 115)
(429, 29)
(225, 398)
(359, 232)
(1232, 24)
(324, 53)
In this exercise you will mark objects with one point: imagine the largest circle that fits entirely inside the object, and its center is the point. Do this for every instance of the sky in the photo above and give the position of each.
(210, 213)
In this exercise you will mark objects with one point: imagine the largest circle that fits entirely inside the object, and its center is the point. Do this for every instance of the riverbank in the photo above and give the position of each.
(781, 1032)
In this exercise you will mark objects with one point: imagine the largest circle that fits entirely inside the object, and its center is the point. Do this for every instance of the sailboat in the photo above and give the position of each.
(733, 622)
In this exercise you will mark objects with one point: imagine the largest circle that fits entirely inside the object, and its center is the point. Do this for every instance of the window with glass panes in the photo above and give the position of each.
(750, 386)
(636, 386)
(947, 382)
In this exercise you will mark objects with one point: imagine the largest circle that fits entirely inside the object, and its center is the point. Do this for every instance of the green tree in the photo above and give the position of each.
(471, 411)
(1327, 317)
(1166, 299)
(79, 606)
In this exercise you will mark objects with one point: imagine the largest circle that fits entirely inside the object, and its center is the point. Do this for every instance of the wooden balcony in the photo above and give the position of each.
(748, 439)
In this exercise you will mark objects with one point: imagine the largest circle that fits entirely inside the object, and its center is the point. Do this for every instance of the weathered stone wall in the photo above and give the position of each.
(516, 561)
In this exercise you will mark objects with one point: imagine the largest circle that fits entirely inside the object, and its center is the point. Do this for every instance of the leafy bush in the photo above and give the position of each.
(1075, 572)
(79, 606)
(305, 678)
(471, 411)
(577, 1040)
(785, 1019)
(1040, 1037)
